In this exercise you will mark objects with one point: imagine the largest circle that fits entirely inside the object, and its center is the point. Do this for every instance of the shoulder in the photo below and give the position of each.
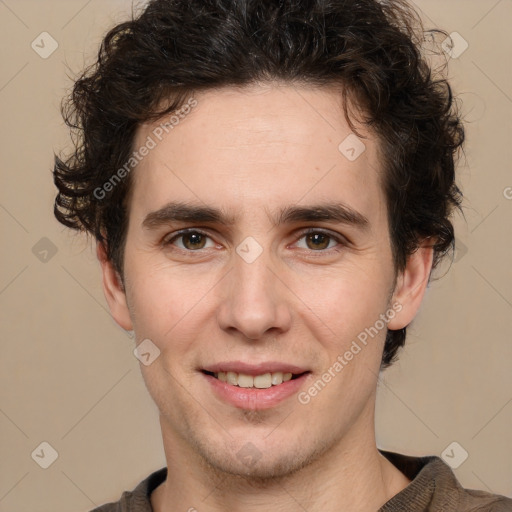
(480, 501)
(137, 500)
(434, 487)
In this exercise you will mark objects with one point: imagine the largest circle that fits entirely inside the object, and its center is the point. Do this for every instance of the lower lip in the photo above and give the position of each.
(254, 398)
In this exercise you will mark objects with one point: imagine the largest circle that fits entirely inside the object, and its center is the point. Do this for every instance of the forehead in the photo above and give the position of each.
(272, 144)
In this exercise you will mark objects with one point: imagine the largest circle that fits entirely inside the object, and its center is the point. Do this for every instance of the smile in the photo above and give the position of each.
(255, 389)
(263, 381)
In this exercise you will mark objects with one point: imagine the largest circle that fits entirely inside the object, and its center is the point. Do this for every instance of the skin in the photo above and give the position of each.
(252, 152)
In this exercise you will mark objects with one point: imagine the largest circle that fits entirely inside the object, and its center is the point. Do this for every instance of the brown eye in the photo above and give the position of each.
(190, 241)
(194, 241)
(316, 241)
(319, 241)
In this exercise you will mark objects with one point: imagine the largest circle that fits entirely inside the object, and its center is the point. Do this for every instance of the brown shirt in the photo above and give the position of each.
(433, 488)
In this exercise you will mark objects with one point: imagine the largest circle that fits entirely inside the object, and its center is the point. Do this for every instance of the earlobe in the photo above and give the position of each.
(411, 286)
(113, 289)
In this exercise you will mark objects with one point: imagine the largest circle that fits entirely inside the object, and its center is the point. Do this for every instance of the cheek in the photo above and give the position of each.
(165, 303)
(343, 314)
(343, 303)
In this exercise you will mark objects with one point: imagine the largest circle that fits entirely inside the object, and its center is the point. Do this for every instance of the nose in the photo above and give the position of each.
(254, 302)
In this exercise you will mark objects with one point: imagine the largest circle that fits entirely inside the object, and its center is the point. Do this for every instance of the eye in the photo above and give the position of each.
(190, 240)
(319, 240)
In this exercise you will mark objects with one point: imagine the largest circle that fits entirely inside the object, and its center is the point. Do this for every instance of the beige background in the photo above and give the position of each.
(68, 374)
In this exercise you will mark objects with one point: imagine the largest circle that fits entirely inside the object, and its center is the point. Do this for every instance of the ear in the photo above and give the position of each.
(411, 285)
(113, 290)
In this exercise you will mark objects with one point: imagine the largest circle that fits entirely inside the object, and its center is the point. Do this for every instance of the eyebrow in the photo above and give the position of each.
(185, 212)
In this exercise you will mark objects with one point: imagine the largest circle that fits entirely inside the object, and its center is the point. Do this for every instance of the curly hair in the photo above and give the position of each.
(371, 50)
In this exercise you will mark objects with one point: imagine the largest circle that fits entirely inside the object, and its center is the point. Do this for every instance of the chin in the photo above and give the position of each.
(260, 466)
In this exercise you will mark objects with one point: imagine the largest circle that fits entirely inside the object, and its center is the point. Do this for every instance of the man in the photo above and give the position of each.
(270, 186)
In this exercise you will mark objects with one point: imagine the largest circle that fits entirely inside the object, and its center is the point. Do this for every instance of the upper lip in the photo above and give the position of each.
(254, 369)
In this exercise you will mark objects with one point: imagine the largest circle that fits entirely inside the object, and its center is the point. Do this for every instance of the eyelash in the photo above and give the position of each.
(337, 238)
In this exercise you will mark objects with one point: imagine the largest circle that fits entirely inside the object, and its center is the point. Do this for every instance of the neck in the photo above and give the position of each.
(351, 475)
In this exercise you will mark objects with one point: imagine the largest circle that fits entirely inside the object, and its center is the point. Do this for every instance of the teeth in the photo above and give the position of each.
(245, 381)
(277, 378)
(264, 381)
(232, 378)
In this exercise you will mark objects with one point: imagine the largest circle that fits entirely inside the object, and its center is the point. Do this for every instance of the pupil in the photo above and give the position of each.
(194, 240)
(320, 241)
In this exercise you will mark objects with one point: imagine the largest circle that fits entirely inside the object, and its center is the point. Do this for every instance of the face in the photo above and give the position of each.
(255, 246)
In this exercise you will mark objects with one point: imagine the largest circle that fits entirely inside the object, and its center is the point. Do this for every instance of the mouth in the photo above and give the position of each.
(260, 381)
(254, 386)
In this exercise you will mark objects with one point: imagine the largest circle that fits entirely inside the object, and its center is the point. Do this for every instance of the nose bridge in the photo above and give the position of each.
(251, 274)
(254, 300)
